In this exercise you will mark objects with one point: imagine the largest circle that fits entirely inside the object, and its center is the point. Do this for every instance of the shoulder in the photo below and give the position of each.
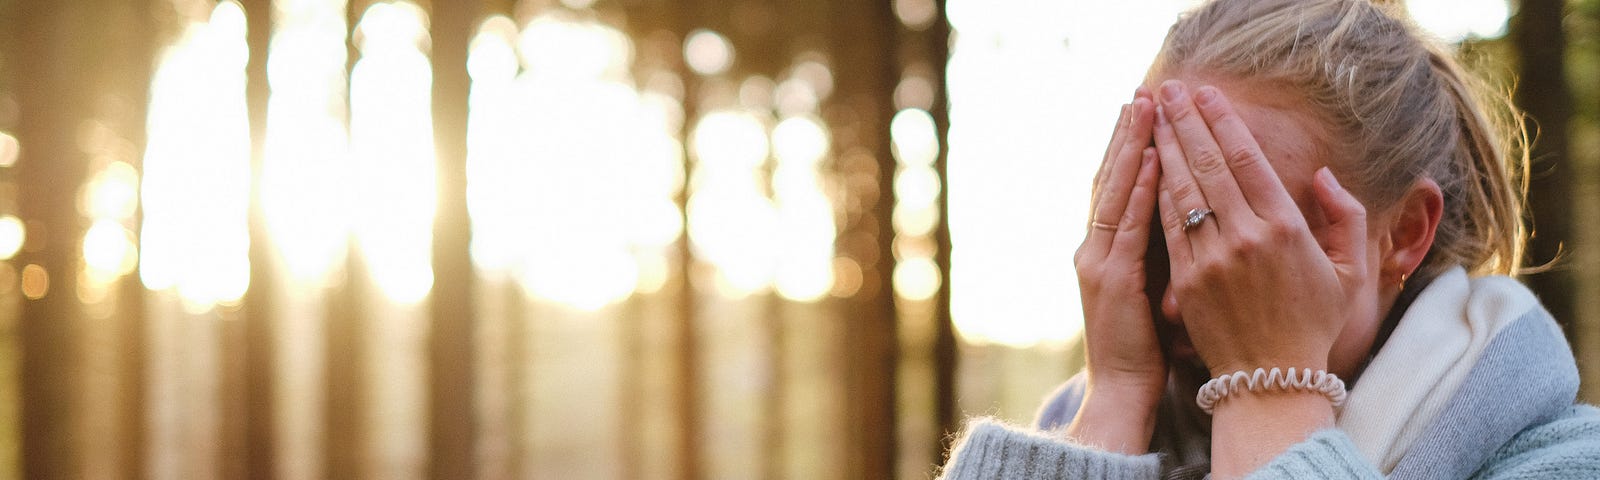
(1566, 447)
(1062, 404)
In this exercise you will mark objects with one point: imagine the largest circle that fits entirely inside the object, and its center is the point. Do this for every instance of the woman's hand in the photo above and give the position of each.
(1126, 371)
(1255, 287)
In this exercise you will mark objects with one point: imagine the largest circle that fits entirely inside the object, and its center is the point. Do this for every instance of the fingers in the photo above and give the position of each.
(1347, 222)
(1133, 233)
(1117, 133)
(1123, 168)
(1180, 186)
(1185, 134)
(1179, 253)
(1255, 176)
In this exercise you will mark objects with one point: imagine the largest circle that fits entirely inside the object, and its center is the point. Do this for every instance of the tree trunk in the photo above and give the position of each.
(1540, 39)
(863, 40)
(453, 416)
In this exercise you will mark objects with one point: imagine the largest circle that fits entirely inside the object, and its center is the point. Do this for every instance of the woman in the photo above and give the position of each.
(1306, 185)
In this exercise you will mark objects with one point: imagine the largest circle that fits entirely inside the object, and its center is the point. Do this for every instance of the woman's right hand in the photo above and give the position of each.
(1126, 372)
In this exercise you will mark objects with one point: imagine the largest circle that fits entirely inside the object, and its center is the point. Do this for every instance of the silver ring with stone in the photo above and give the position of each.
(1195, 217)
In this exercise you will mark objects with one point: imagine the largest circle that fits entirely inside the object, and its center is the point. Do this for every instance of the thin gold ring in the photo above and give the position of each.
(1104, 226)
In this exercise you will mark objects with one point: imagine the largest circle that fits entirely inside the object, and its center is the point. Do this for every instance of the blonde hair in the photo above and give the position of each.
(1400, 107)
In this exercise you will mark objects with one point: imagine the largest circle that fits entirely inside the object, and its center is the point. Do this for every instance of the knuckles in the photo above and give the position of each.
(1129, 222)
(1177, 112)
(1248, 244)
(1209, 162)
(1184, 193)
(1245, 156)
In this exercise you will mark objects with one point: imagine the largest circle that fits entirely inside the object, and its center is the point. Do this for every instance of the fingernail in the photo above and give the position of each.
(1332, 180)
(1141, 92)
(1161, 116)
(1171, 90)
(1134, 110)
(1205, 95)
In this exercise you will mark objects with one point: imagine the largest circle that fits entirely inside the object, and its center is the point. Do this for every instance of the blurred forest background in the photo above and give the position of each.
(597, 238)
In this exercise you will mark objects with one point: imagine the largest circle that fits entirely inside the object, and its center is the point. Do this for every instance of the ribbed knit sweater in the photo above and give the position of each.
(1565, 448)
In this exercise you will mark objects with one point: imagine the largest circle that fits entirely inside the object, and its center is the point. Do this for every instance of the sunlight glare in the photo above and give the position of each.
(556, 47)
(12, 235)
(306, 151)
(113, 192)
(805, 216)
(1457, 20)
(197, 167)
(732, 223)
(391, 142)
(1034, 88)
(916, 278)
(571, 172)
(916, 138)
(108, 251)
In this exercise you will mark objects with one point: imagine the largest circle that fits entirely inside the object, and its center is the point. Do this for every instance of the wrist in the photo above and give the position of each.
(1249, 429)
(1116, 417)
(1145, 389)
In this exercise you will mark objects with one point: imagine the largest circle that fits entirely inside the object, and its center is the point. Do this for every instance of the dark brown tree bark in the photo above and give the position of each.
(68, 65)
(1539, 36)
(687, 399)
(937, 38)
(344, 349)
(258, 335)
(452, 432)
(863, 41)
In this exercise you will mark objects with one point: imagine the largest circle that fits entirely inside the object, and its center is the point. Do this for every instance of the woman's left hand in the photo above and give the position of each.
(1254, 286)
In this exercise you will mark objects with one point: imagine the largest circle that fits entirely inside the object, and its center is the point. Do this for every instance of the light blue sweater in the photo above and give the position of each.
(1513, 419)
(1566, 448)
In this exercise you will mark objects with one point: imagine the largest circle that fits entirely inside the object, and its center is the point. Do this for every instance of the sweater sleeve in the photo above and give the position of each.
(992, 450)
(1565, 448)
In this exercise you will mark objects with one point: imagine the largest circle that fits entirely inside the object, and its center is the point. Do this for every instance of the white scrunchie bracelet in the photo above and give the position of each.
(1304, 380)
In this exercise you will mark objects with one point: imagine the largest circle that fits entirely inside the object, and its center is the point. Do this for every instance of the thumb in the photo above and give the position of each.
(1347, 222)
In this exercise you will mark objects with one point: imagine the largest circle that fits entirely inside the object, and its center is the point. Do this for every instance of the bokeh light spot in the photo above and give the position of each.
(108, 251)
(915, 14)
(35, 282)
(10, 149)
(916, 279)
(846, 277)
(915, 136)
(114, 192)
(12, 235)
(707, 52)
(800, 139)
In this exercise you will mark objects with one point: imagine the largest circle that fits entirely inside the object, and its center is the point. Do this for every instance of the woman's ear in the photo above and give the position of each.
(1410, 230)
